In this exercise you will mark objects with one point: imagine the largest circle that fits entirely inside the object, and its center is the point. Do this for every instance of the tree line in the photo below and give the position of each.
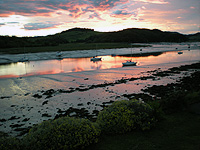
(82, 35)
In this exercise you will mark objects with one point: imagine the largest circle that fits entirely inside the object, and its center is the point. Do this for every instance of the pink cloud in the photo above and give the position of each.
(121, 14)
(46, 7)
(154, 1)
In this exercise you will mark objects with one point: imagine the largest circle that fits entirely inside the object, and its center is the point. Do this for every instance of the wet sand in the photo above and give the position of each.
(29, 100)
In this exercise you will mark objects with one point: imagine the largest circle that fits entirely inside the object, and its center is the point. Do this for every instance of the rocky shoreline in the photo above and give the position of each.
(174, 91)
(172, 96)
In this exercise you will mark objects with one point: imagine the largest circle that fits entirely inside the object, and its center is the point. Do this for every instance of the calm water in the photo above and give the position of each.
(16, 94)
(84, 64)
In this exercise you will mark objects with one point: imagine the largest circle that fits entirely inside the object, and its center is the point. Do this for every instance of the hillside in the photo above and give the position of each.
(82, 35)
(194, 37)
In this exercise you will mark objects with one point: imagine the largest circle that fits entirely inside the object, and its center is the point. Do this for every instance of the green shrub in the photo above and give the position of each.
(173, 102)
(123, 116)
(192, 97)
(157, 109)
(9, 143)
(63, 133)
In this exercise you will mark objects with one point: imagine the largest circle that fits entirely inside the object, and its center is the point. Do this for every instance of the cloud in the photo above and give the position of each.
(154, 1)
(121, 13)
(46, 7)
(42, 14)
(12, 22)
(22, 7)
(2, 24)
(38, 26)
(7, 23)
(95, 15)
(108, 4)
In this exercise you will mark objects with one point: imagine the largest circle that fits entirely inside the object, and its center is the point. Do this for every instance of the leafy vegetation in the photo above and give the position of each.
(177, 131)
(63, 133)
(174, 131)
(8, 142)
(123, 116)
(79, 35)
(194, 37)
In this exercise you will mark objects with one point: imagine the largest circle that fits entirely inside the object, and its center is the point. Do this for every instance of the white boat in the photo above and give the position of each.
(95, 59)
(129, 63)
(180, 53)
(24, 59)
(59, 54)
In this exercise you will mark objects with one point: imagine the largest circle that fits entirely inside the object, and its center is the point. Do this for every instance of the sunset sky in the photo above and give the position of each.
(45, 17)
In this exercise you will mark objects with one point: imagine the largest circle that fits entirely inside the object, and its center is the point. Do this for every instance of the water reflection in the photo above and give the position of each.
(84, 64)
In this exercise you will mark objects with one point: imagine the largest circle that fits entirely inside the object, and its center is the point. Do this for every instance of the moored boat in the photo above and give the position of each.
(59, 54)
(129, 63)
(23, 59)
(180, 53)
(95, 59)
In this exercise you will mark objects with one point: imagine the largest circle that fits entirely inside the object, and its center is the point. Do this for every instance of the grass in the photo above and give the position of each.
(178, 131)
(68, 47)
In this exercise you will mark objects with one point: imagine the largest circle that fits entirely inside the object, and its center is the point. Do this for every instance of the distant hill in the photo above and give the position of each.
(194, 37)
(83, 35)
(135, 35)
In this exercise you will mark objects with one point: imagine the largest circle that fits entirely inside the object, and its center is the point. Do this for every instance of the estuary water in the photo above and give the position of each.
(38, 90)
(157, 54)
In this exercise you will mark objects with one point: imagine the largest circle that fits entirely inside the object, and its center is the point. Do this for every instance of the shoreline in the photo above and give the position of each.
(154, 94)
(137, 50)
(10, 58)
(26, 101)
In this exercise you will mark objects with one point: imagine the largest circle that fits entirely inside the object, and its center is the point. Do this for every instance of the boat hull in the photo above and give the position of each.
(95, 59)
(23, 59)
(129, 64)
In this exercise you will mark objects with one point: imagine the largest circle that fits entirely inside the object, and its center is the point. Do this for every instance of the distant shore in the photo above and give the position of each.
(69, 47)
(77, 50)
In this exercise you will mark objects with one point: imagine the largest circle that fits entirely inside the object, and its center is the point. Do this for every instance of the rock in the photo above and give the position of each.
(46, 115)
(26, 119)
(3, 120)
(37, 96)
(45, 102)
(16, 125)
(3, 97)
(80, 104)
(14, 117)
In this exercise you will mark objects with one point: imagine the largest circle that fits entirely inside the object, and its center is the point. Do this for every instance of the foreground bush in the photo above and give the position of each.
(9, 143)
(123, 116)
(63, 133)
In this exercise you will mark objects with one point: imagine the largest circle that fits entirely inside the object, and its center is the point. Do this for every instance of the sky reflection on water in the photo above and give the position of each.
(84, 64)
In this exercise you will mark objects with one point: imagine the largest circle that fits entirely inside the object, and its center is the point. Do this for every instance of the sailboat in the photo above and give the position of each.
(129, 62)
(59, 54)
(114, 54)
(180, 52)
(95, 58)
(24, 59)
